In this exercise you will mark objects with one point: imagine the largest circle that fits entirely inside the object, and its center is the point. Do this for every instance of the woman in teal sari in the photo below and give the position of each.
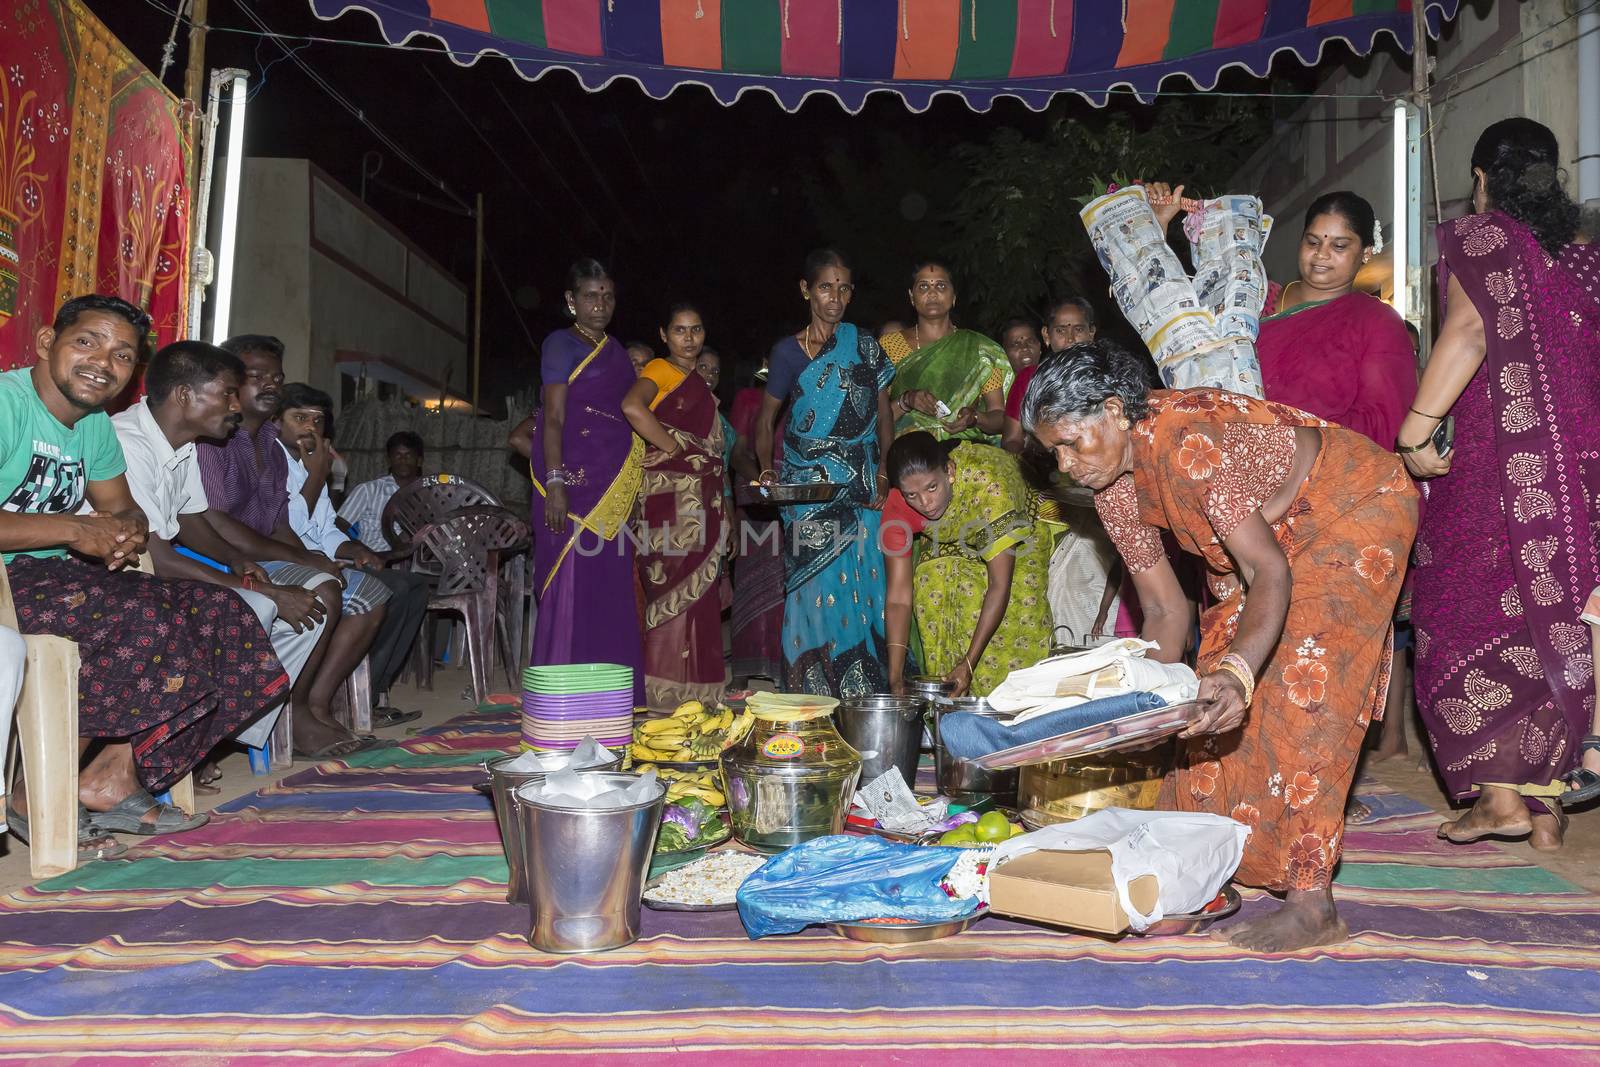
(835, 381)
(948, 381)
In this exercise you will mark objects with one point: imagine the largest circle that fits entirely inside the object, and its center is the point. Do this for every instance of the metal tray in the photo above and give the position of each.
(663, 905)
(794, 493)
(1132, 731)
(1193, 923)
(905, 933)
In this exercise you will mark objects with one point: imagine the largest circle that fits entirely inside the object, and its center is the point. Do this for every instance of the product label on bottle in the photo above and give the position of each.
(782, 746)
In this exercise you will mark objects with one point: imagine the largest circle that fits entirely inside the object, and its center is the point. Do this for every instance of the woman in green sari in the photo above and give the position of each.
(948, 381)
(978, 583)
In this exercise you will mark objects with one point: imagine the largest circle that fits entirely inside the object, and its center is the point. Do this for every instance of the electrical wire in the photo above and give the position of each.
(490, 145)
(537, 147)
(344, 102)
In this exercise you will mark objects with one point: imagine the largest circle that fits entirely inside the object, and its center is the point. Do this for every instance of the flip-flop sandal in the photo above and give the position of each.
(127, 817)
(206, 789)
(1511, 832)
(347, 746)
(385, 717)
(1583, 784)
(92, 844)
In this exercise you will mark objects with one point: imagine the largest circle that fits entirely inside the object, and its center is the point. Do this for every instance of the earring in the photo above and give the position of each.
(572, 309)
(1124, 424)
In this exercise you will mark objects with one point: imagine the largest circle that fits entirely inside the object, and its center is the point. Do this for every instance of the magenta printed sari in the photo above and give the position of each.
(681, 504)
(1506, 554)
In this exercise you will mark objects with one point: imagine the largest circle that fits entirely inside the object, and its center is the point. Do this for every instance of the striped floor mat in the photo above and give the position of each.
(356, 911)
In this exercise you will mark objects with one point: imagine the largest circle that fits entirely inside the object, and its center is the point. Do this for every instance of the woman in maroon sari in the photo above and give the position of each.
(585, 463)
(1506, 555)
(758, 560)
(675, 411)
(1340, 354)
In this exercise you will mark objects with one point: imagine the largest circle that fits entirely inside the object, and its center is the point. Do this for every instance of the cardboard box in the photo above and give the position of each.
(1069, 889)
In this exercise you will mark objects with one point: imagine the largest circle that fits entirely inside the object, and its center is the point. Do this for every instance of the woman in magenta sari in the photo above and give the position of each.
(585, 462)
(1505, 558)
(1341, 355)
(675, 411)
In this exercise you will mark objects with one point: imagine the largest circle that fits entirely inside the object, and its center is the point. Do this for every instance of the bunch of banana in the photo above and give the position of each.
(691, 734)
(707, 785)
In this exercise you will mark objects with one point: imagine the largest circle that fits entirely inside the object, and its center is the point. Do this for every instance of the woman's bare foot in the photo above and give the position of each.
(1356, 811)
(1549, 832)
(1307, 918)
(1499, 812)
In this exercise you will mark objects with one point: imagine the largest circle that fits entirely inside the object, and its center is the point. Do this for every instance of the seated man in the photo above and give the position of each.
(192, 391)
(169, 668)
(361, 517)
(245, 479)
(302, 419)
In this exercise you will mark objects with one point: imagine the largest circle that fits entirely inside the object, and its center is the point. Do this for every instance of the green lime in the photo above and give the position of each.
(1018, 828)
(961, 835)
(993, 827)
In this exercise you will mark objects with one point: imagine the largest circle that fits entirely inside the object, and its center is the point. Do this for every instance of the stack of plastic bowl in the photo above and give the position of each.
(564, 703)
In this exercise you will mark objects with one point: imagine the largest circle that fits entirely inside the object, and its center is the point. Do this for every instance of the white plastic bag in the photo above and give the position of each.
(1111, 669)
(1192, 855)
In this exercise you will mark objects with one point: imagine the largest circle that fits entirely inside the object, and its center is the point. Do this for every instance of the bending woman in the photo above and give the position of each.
(1506, 556)
(1315, 522)
(978, 585)
(585, 463)
(836, 381)
(673, 408)
(935, 361)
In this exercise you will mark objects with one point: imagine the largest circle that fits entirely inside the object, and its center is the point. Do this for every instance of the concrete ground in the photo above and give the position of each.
(1578, 862)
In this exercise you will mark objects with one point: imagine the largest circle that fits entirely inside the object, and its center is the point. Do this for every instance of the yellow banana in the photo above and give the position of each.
(640, 768)
(689, 709)
(659, 726)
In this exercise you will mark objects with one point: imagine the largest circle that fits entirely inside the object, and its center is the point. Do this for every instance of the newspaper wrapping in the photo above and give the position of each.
(1200, 330)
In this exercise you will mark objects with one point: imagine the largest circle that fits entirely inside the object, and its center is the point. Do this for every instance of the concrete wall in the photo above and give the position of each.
(321, 271)
(1493, 62)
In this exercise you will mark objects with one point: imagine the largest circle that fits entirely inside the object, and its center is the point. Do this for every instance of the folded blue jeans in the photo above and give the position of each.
(968, 736)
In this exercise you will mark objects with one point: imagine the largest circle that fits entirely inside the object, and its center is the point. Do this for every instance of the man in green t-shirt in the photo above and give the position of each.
(168, 668)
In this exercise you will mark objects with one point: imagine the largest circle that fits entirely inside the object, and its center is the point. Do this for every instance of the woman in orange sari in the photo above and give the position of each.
(682, 511)
(1315, 521)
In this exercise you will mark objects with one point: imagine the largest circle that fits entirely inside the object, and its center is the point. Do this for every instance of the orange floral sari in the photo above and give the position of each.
(1204, 461)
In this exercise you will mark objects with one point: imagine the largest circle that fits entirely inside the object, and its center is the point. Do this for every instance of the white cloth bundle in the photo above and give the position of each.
(1110, 670)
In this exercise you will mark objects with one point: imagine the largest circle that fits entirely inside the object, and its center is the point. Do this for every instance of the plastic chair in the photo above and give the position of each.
(47, 726)
(427, 501)
(470, 545)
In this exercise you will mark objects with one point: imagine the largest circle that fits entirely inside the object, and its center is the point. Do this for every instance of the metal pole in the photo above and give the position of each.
(477, 310)
(1589, 103)
(194, 84)
(1417, 303)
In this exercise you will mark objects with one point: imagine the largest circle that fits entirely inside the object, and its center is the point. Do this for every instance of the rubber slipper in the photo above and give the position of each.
(347, 746)
(127, 817)
(1510, 830)
(1583, 784)
(92, 844)
(385, 717)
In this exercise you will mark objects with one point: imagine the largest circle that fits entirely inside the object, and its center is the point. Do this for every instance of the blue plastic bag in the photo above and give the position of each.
(839, 878)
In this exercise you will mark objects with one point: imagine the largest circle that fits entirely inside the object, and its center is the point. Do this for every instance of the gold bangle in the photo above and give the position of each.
(898, 644)
(1406, 450)
(1243, 678)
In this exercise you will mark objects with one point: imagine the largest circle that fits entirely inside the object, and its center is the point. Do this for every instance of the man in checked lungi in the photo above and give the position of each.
(167, 668)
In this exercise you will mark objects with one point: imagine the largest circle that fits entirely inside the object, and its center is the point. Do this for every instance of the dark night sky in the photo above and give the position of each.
(681, 197)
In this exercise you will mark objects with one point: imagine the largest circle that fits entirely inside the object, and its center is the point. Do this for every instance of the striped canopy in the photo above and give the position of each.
(978, 49)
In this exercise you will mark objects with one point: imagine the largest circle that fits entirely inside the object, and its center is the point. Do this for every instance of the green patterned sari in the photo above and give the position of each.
(991, 510)
(959, 369)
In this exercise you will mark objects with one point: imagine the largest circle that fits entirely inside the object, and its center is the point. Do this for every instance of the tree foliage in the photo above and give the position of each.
(1014, 232)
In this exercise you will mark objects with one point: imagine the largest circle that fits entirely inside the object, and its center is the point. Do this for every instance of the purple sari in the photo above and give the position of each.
(583, 576)
(1506, 554)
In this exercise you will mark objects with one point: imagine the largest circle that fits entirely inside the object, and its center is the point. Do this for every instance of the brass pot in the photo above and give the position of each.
(1064, 790)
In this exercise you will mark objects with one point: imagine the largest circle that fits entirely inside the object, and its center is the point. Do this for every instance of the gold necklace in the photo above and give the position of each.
(805, 340)
(591, 338)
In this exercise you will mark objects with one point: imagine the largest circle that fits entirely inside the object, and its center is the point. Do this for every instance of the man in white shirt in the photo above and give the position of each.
(361, 516)
(192, 391)
(301, 421)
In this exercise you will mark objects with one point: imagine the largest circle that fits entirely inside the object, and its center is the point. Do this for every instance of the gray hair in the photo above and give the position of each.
(1076, 383)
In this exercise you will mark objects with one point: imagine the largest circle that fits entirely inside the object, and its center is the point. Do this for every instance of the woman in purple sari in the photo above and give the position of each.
(586, 471)
(1505, 557)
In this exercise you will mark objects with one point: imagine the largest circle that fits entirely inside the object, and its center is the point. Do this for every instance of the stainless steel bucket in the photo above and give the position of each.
(960, 779)
(586, 869)
(886, 730)
(501, 785)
